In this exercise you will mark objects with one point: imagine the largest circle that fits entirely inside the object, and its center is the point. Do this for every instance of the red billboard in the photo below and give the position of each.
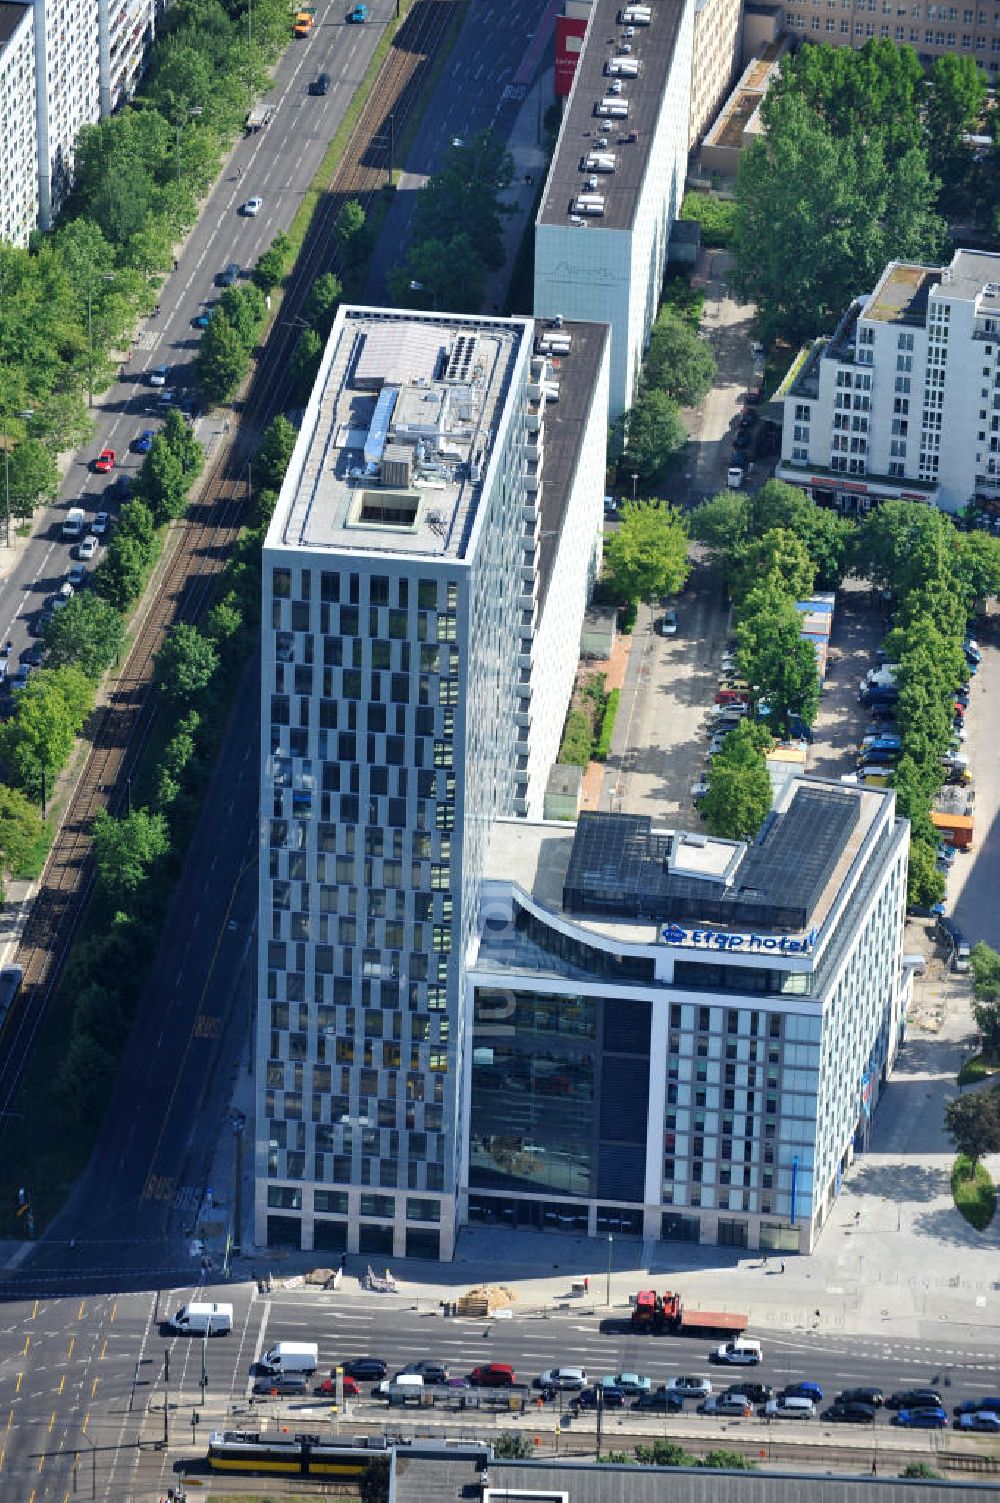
(569, 39)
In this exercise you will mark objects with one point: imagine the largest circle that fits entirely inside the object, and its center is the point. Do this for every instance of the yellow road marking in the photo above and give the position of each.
(17, 1385)
(34, 1311)
(104, 1347)
(72, 1344)
(114, 1311)
(93, 1391)
(86, 1421)
(62, 1383)
(83, 1306)
(52, 1421)
(27, 1343)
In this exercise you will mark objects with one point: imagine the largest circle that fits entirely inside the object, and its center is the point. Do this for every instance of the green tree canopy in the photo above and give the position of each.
(270, 268)
(779, 558)
(647, 556)
(88, 633)
(323, 298)
(21, 829)
(274, 452)
(678, 361)
(774, 658)
(739, 786)
(161, 482)
(440, 273)
(37, 741)
(924, 883)
(222, 359)
(973, 1123)
(126, 849)
(985, 968)
(185, 663)
(33, 476)
(463, 199)
(649, 434)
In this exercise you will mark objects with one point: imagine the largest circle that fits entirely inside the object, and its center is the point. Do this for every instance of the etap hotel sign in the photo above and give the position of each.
(748, 944)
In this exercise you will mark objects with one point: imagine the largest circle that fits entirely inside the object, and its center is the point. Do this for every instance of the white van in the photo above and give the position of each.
(203, 1319)
(72, 528)
(741, 1352)
(789, 1409)
(291, 1357)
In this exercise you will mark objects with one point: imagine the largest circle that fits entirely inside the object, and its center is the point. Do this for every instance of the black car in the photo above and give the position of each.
(430, 1371)
(873, 1396)
(365, 1368)
(320, 85)
(949, 932)
(850, 1414)
(757, 1393)
(612, 1397)
(282, 1383)
(914, 1398)
(35, 655)
(661, 1398)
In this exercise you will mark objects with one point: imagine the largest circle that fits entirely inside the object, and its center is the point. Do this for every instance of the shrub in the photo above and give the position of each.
(603, 746)
(578, 739)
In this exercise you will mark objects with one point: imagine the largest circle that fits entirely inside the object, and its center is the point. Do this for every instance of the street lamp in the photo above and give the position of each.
(93, 1464)
(611, 1243)
(635, 482)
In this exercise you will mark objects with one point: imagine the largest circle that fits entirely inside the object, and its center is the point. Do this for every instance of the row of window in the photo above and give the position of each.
(898, 34)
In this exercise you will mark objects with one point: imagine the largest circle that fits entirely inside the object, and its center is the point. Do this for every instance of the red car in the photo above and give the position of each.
(493, 1375)
(105, 461)
(329, 1387)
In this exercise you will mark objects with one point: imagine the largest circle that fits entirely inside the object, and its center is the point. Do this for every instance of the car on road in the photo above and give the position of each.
(39, 623)
(914, 1398)
(982, 1419)
(493, 1375)
(661, 1398)
(204, 318)
(77, 576)
(35, 655)
(921, 1419)
(105, 461)
(699, 790)
(99, 525)
(666, 625)
(252, 207)
(973, 1406)
(120, 488)
(320, 85)
(366, 1368)
(158, 375)
(62, 596)
(789, 1407)
(632, 1383)
(357, 16)
(329, 1386)
(717, 742)
(691, 1386)
(757, 1393)
(849, 1414)
(20, 676)
(86, 548)
(873, 1396)
(803, 1390)
(428, 1368)
(230, 276)
(568, 1379)
(729, 1405)
(607, 1394)
(279, 1383)
(144, 442)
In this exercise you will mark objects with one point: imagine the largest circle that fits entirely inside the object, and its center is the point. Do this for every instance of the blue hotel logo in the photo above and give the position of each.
(754, 944)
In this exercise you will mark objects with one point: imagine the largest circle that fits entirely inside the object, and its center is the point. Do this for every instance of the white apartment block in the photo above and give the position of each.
(903, 400)
(681, 1038)
(18, 140)
(409, 567)
(617, 178)
(715, 58)
(67, 92)
(126, 34)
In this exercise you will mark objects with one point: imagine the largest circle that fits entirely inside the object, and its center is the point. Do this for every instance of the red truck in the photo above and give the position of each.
(667, 1312)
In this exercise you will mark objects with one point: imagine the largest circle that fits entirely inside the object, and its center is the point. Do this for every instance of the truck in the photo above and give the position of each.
(258, 117)
(72, 528)
(667, 1313)
(290, 1357)
(952, 815)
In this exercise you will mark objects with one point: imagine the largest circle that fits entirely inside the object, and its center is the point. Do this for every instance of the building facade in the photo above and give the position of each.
(18, 140)
(682, 1038)
(903, 400)
(715, 56)
(616, 179)
(399, 599)
(931, 30)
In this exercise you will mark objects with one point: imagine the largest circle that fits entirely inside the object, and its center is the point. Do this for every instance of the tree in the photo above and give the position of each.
(647, 556)
(100, 1013)
(900, 546)
(126, 849)
(85, 1078)
(648, 434)
(244, 307)
(985, 967)
(21, 830)
(222, 359)
(135, 522)
(185, 663)
(463, 199)
(739, 786)
(270, 268)
(730, 1461)
(917, 1469)
(663, 1453)
(778, 558)
(925, 884)
(373, 1486)
(512, 1447)
(324, 296)
(88, 632)
(773, 656)
(276, 445)
(179, 435)
(439, 273)
(33, 475)
(973, 1123)
(121, 574)
(678, 361)
(304, 364)
(162, 482)
(956, 93)
(35, 745)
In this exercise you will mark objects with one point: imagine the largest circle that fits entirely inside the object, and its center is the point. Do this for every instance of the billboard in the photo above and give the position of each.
(570, 33)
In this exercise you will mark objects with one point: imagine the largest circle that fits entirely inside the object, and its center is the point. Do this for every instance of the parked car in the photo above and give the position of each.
(86, 549)
(973, 1406)
(20, 676)
(429, 1369)
(203, 319)
(729, 1405)
(982, 1419)
(76, 576)
(366, 1368)
(873, 1396)
(921, 1419)
(666, 625)
(608, 1395)
(699, 789)
(493, 1375)
(158, 375)
(793, 1407)
(329, 1387)
(914, 1398)
(802, 1391)
(945, 854)
(568, 1379)
(661, 1398)
(280, 1383)
(849, 1414)
(35, 655)
(144, 442)
(105, 461)
(757, 1393)
(693, 1387)
(99, 525)
(632, 1383)
(230, 276)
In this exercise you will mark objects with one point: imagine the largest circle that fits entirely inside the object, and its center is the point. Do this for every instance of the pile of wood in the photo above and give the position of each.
(483, 1301)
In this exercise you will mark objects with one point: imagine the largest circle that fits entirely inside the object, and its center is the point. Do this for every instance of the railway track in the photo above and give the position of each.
(121, 728)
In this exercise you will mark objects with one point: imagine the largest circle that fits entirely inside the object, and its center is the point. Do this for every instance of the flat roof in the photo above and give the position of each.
(398, 434)
(974, 275)
(902, 294)
(628, 139)
(11, 16)
(623, 878)
(565, 423)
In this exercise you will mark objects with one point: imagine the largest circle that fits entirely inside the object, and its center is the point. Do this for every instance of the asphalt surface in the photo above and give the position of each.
(86, 1377)
(480, 88)
(276, 164)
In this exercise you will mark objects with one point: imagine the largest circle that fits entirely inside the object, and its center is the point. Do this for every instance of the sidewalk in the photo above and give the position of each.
(526, 146)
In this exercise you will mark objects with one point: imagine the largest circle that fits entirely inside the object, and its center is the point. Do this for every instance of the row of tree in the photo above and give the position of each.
(862, 156)
(76, 295)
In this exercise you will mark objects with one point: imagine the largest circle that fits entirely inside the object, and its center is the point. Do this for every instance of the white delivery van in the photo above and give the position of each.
(201, 1318)
(741, 1352)
(734, 477)
(291, 1357)
(73, 526)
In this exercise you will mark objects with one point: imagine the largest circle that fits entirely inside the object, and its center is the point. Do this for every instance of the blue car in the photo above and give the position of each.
(921, 1419)
(203, 319)
(973, 1406)
(983, 1419)
(144, 442)
(803, 1391)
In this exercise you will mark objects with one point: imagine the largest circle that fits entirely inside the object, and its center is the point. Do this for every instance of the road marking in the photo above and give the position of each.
(72, 1344)
(104, 1348)
(62, 1384)
(86, 1422)
(206, 1026)
(27, 1343)
(93, 1388)
(52, 1420)
(34, 1311)
(83, 1306)
(114, 1307)
(17, 1385)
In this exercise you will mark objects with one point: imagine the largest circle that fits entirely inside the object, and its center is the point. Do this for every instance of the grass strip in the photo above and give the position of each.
(979, 1067)
(974, 1192)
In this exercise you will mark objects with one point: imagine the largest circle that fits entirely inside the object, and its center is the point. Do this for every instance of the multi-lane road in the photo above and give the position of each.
(83, 1379)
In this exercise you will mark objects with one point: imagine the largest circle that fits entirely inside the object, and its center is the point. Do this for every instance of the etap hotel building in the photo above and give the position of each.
(679, 1037)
